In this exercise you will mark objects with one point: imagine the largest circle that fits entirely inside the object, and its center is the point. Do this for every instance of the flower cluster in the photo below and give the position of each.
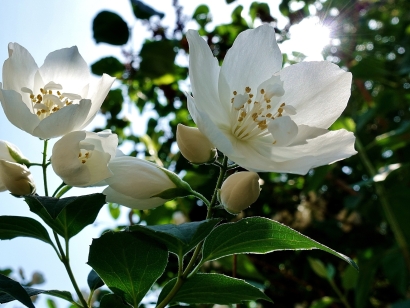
(59, 100)
(261, 116)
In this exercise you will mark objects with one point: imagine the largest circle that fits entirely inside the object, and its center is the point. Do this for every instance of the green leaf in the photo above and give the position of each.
(112, 300)
(60, 294)
(318, 267)
(258, 235)
(115, 210)
(213, 289)
(128, 264)
(94, 281)
(5, 298)
(179, 239)
(349, 278)
(12, 290)
(67, 216)
(202, 15)
(157, 58)
(368, 268)
(16, 226)
(323, 302)
(108, 65)
(109, 27)
(143, 11)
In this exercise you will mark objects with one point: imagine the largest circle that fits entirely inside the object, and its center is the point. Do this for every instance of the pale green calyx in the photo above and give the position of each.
(181, 185)
(18, 157)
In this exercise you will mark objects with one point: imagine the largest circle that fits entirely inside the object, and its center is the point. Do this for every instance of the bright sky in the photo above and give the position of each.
(44, 26)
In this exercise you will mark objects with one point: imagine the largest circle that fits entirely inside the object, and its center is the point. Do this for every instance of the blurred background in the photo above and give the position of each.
(359, 206)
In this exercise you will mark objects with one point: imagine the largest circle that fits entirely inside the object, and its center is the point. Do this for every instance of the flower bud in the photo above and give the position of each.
(81, 158)
(142, 185)
(10, 152)
(194, 145)
(239, 191)
(16, 178)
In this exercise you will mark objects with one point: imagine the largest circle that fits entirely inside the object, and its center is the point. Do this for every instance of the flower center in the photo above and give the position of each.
(252, 113)
(84, 155)
(49, 99)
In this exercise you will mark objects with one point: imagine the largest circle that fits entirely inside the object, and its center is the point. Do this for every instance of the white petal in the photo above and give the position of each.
(207, 127)
(97, 166)
(140, 204)
(98, 92)
(137, 178)
(19, 68)
(66, 67)
(283, 130)
(104, 141)
(67, 119)
(323, 150)
(53, 86)
(306, 132)
(16, 178)
(318, 90)
(253, 58)
(203, 73)
(17, 111)
(65, 162)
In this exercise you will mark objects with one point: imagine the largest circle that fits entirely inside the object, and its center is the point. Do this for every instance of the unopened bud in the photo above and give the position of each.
(239, 191)
(10, 152)
(16, 178)
(194, 145)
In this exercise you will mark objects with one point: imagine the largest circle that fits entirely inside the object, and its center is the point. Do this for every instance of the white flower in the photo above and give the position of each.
(52, 100)
(142, 185)
(263, 117)
(81, 158)
(194, 145)
(239, 191)
(16, 178)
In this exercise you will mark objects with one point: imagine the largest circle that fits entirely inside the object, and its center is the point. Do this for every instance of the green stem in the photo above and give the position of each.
(44, 166)
(222, 171)
(34, 164)
(381, 193)
(201, 197)
(187, 272)
(339, 293)
(90, 298)
(65, 260)
(58, 188)
(63, 191)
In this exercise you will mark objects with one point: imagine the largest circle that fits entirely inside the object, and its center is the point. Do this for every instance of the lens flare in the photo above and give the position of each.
(309, 37)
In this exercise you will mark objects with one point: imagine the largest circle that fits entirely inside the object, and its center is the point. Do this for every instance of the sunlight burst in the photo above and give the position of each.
(309, 37)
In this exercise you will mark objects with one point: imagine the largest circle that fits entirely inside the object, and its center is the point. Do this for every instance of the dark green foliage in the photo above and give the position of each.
(128, 264)
(109, 27)
(67, 216)
(108, 65)
(16, 226)
(11, 290)
(213, 288)
(157, 58)
(94, 281)
(143, 11)
(179, 239)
